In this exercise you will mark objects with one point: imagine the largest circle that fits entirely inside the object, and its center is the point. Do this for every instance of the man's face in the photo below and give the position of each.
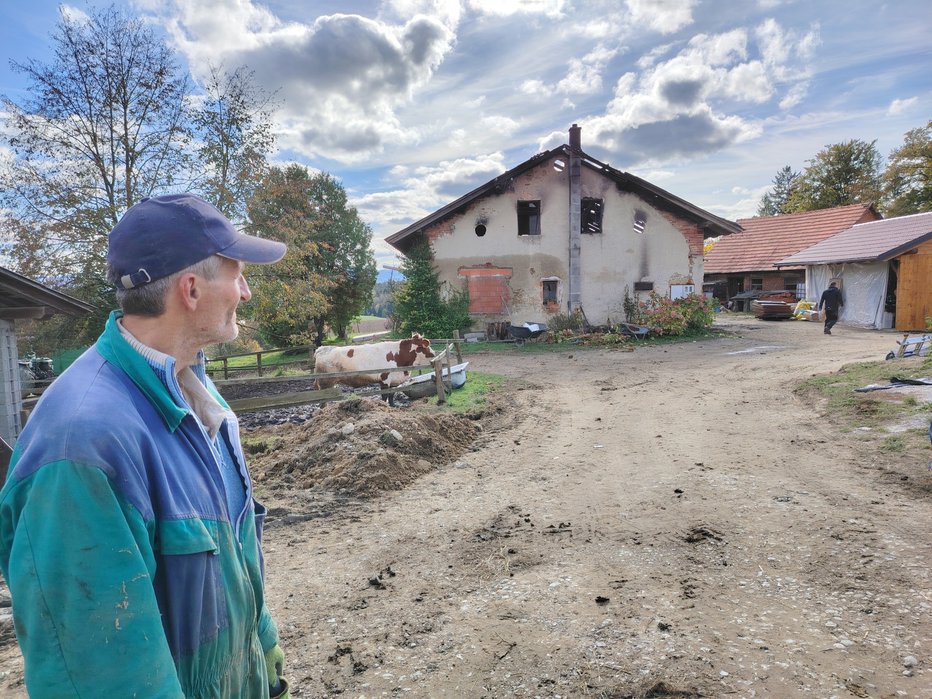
(220, 296)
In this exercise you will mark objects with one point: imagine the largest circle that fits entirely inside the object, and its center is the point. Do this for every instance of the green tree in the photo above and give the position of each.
(840, 174)
(419, 305)
(774, 202)
(329, 271)
(907, 179)
(102, 126)
(234, 131)
(344, 254)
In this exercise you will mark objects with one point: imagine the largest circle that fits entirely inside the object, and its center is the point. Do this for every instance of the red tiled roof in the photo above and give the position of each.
(868, 242)
(769, 239)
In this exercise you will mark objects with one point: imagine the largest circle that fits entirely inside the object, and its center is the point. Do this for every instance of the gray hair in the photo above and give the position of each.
(149, 299)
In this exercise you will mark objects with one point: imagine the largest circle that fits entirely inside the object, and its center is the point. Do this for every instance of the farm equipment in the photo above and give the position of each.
(35, 372)
(911, 346)
(526, 331)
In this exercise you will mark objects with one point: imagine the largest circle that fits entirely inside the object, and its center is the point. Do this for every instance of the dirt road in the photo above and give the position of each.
(668, 522)
(664, 522)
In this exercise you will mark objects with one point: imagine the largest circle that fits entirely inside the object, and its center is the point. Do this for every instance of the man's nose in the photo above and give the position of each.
(244, 293)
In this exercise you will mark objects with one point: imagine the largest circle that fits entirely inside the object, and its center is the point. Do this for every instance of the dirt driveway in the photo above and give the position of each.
(668, 522)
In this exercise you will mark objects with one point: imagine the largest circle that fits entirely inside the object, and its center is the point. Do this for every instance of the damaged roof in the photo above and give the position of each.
(875, 241)
(766, 240)
(712, 225)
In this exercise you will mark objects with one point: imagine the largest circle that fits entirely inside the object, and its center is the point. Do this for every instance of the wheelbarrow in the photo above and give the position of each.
(638, 332)
(526, 331)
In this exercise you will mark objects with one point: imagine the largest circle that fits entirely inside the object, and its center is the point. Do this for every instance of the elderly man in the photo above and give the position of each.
(128, 531)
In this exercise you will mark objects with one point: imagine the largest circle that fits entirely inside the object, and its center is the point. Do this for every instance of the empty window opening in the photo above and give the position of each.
(480, 229)
(529, 217)
(549, 291)
(559, 165)
(643, 286)
(640, 221)
(591, 215)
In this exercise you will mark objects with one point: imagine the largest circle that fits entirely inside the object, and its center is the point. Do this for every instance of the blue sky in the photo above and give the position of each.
(412, 103)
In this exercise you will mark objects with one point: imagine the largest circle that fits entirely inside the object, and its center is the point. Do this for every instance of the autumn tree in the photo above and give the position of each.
(840, 174)
(233, 128)
(328, 273)
(774, 202)
(907, 179)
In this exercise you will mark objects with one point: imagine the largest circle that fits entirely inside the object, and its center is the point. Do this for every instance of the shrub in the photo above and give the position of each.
(566, 321)
(665, 316)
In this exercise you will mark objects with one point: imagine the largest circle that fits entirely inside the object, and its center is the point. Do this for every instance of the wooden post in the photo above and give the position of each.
(259, 362)
(456, 344)
(450, 366)
(226, 369)
(438, 381)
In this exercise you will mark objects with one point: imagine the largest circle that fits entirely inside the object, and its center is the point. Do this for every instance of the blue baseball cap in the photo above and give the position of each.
(162, 235)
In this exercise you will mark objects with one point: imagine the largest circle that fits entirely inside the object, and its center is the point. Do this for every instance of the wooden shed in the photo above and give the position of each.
(885, 270)
(22, 298)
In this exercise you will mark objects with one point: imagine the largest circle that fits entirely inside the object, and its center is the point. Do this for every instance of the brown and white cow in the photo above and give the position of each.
(414, 351)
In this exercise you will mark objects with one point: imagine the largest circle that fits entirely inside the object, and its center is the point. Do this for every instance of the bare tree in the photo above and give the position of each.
(233, 126)
(102, 126)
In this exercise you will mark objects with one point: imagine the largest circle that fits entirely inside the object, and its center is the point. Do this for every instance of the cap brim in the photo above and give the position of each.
(257, 251)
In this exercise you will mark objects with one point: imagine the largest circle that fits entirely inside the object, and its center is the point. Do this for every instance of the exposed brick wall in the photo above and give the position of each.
(489, 292)
(690, 231)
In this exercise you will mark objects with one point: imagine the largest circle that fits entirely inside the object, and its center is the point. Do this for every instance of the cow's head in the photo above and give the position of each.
(415, 350)
(422, 345)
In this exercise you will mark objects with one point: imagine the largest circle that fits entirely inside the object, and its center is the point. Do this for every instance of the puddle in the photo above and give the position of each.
(754, 350)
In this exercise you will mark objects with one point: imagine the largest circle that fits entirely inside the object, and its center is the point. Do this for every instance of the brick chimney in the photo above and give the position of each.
(575, 137)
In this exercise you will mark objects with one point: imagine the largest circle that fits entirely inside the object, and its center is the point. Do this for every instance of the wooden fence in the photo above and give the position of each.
(258, 367)
(287, 400)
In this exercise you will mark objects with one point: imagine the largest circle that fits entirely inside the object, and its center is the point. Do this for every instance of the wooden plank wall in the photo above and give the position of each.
(914, 289)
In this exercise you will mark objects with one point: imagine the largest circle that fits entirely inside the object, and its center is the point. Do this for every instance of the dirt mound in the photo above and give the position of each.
(358, 447)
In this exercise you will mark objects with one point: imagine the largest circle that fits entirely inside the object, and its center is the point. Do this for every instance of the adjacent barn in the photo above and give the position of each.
(739, 267)
(884, 269)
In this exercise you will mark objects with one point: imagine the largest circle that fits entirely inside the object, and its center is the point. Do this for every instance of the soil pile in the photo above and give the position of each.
(358, 448)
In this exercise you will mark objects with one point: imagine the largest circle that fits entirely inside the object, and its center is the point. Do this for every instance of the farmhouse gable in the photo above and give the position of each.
(563, 231)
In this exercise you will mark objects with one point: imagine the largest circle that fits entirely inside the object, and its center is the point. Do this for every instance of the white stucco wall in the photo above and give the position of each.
(617, 257)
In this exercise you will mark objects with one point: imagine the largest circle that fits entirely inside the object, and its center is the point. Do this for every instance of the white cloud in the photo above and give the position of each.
(73, 14)
(415, 192)
(505, 8)
(585, 74)
(342, 78)
(664, 16)
(900, 106)
(678, 105)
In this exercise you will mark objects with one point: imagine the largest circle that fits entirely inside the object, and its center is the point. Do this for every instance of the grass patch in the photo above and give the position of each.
(475, 394)
(253, 444)
(851, 410)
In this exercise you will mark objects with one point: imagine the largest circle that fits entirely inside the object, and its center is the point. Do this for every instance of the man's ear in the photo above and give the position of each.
(188, 290)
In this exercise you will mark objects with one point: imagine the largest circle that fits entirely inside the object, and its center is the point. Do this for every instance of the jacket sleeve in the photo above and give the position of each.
(79, 563)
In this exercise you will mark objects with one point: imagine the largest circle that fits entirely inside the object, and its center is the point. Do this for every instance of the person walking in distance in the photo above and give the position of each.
(832, 301)
(129, 536)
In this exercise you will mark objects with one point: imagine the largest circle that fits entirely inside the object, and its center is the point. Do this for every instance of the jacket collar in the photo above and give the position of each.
(119, 352)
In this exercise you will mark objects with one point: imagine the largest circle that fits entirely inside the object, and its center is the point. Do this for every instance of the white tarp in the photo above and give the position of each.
(863, 289)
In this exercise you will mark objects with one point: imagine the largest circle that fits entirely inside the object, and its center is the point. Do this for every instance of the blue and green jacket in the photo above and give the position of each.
(128, 576)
